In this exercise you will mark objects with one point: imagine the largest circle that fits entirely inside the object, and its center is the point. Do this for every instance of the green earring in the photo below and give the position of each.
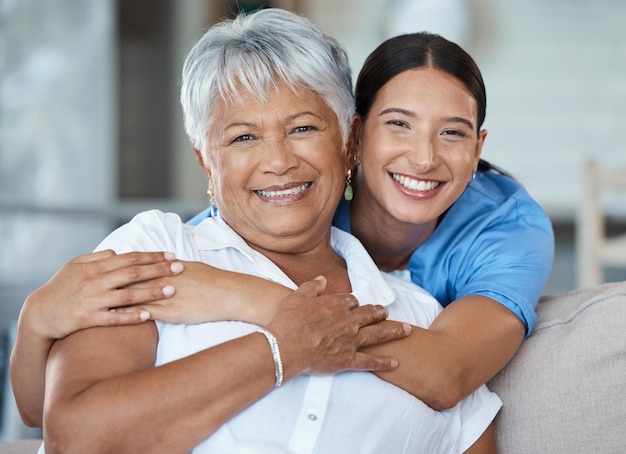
(347, 194)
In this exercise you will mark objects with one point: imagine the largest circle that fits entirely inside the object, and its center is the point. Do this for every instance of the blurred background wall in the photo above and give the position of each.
(91, 130)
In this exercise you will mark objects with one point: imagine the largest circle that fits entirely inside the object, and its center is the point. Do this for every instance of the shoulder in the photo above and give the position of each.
(501, 194)
(411, 303)
(495, 215)
(152, 217)
(147, 231)
(157, 224)
(495, 203)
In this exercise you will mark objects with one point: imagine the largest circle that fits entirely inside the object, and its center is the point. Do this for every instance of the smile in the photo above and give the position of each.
(415, 185)
(284, 192)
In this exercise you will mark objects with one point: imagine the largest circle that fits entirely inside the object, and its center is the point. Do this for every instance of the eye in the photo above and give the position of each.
(398, 123)
(243, 138)
(302, 129)
(453, 132)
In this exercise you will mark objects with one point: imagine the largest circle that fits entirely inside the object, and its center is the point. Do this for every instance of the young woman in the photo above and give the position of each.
(424, 204)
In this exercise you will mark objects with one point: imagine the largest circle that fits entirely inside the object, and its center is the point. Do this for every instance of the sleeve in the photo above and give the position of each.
(511, 259)
(146, 232)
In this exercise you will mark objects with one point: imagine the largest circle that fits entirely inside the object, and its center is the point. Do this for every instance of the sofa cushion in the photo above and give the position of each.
(565, 389)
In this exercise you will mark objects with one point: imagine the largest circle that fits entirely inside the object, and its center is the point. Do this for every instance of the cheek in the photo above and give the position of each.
(382, 146)
(226, 176)
(338, 169)
(371, 141)
(461, 158)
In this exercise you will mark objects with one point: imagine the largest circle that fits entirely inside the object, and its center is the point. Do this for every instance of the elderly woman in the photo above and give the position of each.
(268, 107)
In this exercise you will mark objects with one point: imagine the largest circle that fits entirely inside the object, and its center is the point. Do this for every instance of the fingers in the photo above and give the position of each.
(313, 288)
(120, 270)
(317, 286)
(375, 334)
(134, 296)
(383, 332)
(94, 256)
(105, 279)
(369, 313)
(111, 261)
(116, 318)
(135, 274)
(129, 259)
(367, 362)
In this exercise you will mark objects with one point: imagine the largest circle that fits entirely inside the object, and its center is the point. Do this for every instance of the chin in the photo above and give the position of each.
(414, 215)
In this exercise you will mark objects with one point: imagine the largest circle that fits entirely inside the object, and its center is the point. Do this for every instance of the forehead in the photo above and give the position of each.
(428, 87)
(281, 100)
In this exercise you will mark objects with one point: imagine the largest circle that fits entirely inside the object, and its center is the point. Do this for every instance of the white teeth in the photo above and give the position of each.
(415, 185)
(286, 192)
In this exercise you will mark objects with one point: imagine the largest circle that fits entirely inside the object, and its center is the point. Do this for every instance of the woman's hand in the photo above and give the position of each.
(322, 334)
(83, 292)
(80, 295)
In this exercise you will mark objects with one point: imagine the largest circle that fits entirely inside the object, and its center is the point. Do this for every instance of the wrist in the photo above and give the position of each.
(278, 362)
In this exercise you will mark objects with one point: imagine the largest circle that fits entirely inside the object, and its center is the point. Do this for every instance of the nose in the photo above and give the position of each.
(277, 156)
(423, 154)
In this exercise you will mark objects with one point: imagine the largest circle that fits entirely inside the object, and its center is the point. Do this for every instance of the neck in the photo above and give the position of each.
(307, 265)
(389, 242)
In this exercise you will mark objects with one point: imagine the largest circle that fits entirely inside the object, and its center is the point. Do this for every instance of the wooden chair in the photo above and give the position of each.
(595, 249)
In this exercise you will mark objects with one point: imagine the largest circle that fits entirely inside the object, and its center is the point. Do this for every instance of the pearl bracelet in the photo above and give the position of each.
(278, 362)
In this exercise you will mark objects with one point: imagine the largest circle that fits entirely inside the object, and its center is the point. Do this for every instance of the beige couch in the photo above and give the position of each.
(565, 390)
(20, 447)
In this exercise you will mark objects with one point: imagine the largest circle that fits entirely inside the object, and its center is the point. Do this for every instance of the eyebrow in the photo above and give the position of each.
(408, 113)
(301, 114)
(289, 118)
(462, 120)
(238, 123)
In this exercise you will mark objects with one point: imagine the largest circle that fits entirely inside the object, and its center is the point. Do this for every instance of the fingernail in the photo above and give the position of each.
(144, 315)
(169, 256)
(168, 290)
(407, 328)
(176, 267)
(394, 363)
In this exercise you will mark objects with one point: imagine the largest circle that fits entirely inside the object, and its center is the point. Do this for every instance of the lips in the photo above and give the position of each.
(415, 185)
(287, 192)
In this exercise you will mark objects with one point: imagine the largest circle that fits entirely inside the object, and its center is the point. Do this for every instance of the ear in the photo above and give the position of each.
(351, 143)
(201, 162)
(478, 151)
(355, 136)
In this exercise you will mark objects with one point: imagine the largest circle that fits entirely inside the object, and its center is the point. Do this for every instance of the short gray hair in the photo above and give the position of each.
(256, 50)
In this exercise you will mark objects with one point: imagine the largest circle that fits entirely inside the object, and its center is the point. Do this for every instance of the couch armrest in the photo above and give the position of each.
(565, 389)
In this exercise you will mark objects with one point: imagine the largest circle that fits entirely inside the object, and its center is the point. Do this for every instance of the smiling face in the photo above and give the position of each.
(418, 146)
(277, 168)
